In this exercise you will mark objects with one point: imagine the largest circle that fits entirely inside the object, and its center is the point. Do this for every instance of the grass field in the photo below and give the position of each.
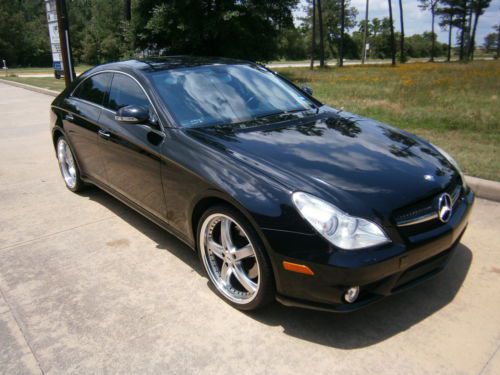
(39, 70)
(45, 82)
(456, 106)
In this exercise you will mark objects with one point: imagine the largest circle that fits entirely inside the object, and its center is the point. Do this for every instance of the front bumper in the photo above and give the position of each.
(379, 272)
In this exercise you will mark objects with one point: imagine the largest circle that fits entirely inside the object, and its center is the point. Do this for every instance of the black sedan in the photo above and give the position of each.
(282, 197)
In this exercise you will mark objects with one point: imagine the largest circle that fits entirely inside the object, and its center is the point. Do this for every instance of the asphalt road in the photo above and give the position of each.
(89, 286)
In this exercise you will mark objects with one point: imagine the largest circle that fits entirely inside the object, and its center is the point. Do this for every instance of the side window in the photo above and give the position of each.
(94, 88)
(125, 91)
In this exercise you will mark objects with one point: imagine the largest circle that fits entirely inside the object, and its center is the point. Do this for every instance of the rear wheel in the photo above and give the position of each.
(68, 166)
(233, 259)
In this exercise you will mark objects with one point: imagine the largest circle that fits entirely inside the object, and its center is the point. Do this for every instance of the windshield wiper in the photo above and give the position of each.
(282, 113)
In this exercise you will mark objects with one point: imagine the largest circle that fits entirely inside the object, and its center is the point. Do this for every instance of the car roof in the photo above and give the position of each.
(168, 62)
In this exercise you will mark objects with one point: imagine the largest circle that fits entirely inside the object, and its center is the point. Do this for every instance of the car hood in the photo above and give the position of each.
(363, 166)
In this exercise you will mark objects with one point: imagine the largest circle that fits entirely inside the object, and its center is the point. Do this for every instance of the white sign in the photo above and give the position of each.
(50, 9)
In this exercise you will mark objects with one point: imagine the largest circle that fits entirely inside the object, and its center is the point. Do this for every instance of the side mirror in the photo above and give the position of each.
(132, 114)
(307, 89)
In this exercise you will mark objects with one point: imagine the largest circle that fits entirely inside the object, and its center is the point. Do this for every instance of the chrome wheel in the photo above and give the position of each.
(230, 258)
(66, 163)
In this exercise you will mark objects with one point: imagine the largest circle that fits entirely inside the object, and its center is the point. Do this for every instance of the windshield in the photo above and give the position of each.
(226, 94)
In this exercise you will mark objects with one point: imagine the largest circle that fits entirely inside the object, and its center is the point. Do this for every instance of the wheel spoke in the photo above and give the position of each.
(244, 252)
(225, 233)
(248, 284)
(225, 273)
(215, 248)
(66, 154)
(69, 158)
(254, 271)
(60, 152)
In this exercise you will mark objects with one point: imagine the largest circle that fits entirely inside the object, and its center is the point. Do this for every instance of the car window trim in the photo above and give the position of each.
(108, 90)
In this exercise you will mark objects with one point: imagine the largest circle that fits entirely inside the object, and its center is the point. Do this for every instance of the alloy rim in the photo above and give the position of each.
(229, 258)
(66, 163)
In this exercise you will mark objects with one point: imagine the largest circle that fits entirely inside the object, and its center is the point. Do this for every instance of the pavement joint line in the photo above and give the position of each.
(53, 234)
(11, 310)
(489, 360)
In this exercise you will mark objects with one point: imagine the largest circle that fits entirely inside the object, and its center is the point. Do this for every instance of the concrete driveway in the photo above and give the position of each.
(89, 286)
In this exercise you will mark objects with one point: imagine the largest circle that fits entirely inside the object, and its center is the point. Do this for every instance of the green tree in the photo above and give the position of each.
(24, 36)
(331, 10)
(448, 20)
(402, 57)
(432, 6)
(378, 36)
(244, 29)
(478, 7)
(393, 40)
(460, 9)
(491, 41)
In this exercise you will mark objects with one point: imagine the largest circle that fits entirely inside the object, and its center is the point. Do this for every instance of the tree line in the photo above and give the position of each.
(107, 30)
(380, 37)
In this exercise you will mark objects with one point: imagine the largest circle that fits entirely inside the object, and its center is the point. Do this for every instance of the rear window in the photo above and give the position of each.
(93, 88)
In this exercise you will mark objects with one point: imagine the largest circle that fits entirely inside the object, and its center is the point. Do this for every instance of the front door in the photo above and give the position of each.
(81, 115)
(131, 152)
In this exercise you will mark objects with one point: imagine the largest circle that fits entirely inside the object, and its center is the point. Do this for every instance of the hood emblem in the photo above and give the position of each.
(429, 177)
(444, 207)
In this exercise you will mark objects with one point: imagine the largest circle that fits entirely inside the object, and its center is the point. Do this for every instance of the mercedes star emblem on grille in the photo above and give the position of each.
(444, 207)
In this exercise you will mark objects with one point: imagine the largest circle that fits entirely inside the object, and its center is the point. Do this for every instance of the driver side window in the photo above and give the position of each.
(125, 91)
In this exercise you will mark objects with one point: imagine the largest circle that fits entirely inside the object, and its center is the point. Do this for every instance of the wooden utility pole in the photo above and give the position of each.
(66, 55)
(365, 33)
(313, 42)
(321, 38)
(393, 40)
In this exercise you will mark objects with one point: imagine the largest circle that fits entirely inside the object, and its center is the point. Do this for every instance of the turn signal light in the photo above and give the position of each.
(299, 268)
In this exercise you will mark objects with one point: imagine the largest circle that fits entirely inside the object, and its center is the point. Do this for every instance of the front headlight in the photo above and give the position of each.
(452, 162)
(342, 230)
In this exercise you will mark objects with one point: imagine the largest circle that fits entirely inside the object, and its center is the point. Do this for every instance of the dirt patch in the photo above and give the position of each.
(495, 270)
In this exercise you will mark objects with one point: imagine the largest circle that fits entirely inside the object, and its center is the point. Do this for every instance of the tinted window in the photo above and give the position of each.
(125, 91)
(225, 94)
(93, 88)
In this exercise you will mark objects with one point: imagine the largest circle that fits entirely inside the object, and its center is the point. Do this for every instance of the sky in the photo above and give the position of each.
(417, 20)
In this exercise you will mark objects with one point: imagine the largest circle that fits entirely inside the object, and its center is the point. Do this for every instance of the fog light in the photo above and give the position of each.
(352, 294)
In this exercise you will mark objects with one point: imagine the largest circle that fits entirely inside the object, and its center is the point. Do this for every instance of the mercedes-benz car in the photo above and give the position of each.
(283, 197)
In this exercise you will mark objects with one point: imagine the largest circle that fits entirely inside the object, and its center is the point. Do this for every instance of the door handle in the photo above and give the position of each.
(69, 116)
(104, 134)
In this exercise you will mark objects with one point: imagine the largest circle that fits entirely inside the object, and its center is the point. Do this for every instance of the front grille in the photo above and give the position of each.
(426, 210)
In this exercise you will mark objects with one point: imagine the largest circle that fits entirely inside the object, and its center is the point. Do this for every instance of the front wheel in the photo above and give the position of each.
(68, 166)
(233, 259)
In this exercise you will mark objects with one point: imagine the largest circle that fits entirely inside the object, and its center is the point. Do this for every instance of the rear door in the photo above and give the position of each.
(131, 152)
(82, 110)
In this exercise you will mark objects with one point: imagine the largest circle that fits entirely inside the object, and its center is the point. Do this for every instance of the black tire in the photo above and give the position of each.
(78, 184)
(266, 291)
